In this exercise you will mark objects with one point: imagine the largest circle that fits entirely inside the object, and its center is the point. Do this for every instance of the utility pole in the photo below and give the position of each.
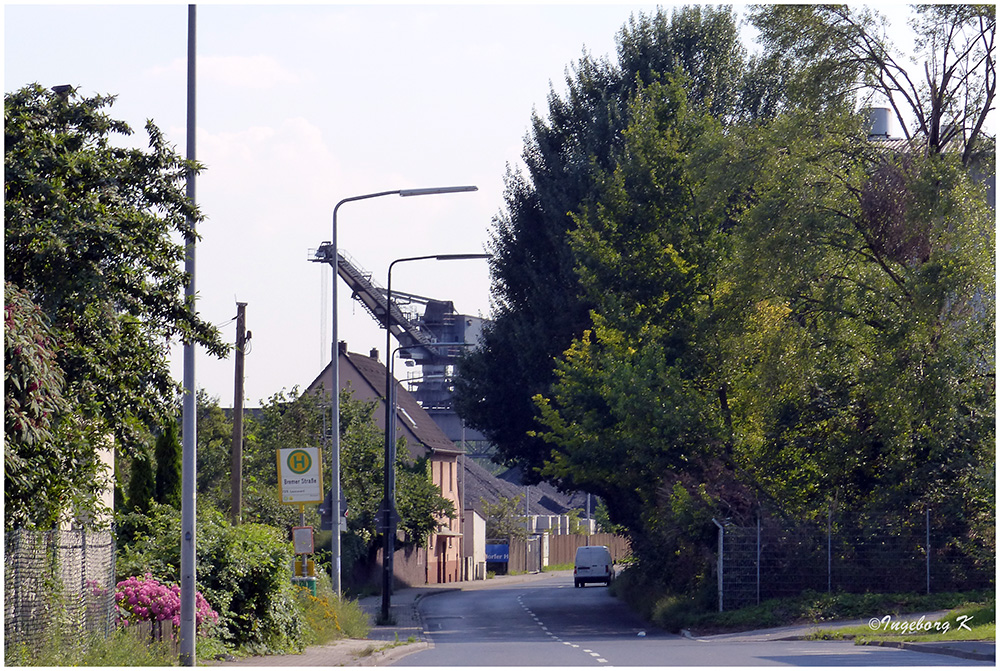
(236, 486)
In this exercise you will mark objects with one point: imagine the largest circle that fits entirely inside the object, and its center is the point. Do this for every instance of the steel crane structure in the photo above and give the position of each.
(432, 339)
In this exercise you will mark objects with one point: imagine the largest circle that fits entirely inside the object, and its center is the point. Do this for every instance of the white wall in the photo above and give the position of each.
(474, 545)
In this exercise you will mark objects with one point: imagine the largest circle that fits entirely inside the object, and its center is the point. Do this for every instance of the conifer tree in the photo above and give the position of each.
(142, 484)
(168, 466)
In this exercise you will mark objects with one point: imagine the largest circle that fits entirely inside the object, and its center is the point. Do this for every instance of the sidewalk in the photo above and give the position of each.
(385, 643)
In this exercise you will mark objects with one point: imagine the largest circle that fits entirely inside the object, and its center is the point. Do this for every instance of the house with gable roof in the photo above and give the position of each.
(366, 376)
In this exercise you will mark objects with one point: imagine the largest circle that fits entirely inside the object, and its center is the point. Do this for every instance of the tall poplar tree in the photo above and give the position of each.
(539, 304)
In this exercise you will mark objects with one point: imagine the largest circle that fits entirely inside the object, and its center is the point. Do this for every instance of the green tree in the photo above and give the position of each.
(812, 325)
(539, 305)
(33, 400)
(505, 519)
(286, 420)
(362, 457)
(603, 519)
(141, 485)
(872, 274)
(839, 50)
(638, 415)
(362, 464)
(168, 466)
(93, 236)
(215, 443)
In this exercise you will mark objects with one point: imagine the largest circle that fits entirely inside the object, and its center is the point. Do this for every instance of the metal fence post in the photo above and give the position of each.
(829, 549)
(719, 561)
(758, 557)
(928, 548)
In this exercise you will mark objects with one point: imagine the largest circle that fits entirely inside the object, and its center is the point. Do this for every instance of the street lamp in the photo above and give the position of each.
(333, 259)
(392, 438)
(389, 485)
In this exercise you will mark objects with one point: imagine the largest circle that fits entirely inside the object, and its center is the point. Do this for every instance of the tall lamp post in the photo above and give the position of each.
(389, 484)
(333, 259)
(189, 449)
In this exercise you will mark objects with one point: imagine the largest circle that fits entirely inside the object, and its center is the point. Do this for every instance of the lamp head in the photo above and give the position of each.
(437, 189)
(459, 257)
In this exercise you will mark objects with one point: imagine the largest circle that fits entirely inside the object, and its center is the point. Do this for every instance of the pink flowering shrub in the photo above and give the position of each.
(140, 599)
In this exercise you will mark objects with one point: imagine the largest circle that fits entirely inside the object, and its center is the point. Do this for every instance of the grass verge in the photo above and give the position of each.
(814, 607)
(699, 613)
(969, 622)
(120, 648)
(558, 567)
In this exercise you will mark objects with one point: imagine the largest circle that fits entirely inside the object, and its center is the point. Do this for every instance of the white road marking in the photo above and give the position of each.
(597, 657)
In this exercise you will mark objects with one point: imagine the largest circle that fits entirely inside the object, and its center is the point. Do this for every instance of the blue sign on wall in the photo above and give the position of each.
(498, 553)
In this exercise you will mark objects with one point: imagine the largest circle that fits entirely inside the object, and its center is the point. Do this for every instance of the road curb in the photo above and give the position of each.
(930, 648)
(939, 649)
(424, 593)
(391, 655)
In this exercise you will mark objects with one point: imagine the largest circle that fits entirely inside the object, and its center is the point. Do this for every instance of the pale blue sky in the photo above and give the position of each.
(300, 106)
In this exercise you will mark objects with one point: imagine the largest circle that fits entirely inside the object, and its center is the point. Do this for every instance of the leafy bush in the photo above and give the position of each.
(250, 568)
(674, 612)
(638, 590)
(243, 571)
(323, 624)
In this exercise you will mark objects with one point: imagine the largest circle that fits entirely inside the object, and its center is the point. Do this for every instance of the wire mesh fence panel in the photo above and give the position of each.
(960, 560)
(25, 587)
(739, 567)
(887, 553)
(848, 552)
(793, 558)
(57, 583)
(772, 561)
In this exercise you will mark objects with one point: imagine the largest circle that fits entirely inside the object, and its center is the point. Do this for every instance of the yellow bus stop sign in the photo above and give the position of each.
(300, 475)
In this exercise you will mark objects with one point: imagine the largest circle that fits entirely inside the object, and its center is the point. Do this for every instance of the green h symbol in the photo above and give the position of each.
(299, 461)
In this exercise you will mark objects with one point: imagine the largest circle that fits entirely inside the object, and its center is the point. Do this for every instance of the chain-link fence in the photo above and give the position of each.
(849, 553)
(57, 583)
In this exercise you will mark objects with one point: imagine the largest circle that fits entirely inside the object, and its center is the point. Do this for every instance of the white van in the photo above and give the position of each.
(593, 564)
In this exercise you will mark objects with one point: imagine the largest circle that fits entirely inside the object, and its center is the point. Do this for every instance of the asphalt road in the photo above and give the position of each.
(548, 622)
